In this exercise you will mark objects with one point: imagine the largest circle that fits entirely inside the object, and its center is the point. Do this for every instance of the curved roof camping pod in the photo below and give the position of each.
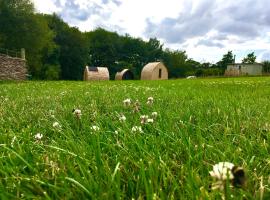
(125, 74)
(96, 74)
(154, 71)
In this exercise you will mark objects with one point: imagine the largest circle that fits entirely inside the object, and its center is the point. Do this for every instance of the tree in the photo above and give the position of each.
(206, 65)
(104, 49)
(154, 50)
(20, 28)
(266, 66)
(176, 63)
(51, 68)
(250, 58)
(135, 52)
(113, 51)
(71, 49)
(227, 58)
(54, 50)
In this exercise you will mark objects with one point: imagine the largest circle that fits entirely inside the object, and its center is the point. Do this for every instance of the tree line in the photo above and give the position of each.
(54, 50)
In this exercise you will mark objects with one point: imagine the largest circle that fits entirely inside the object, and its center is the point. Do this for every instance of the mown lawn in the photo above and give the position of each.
(200, 122)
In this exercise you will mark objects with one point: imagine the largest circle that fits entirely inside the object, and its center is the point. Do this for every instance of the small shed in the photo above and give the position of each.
(154, 71)
(125, 74)
(96, 73)
(240, 69)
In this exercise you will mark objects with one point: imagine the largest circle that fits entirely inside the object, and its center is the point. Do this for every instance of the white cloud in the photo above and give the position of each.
(47, 6)
(206, 29)
(132, 14)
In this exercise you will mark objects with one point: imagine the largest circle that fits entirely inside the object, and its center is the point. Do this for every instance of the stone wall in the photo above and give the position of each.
(12, 68)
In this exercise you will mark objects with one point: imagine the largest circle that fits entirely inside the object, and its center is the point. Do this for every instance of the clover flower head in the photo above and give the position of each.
(224, 172)
(150, 101)
(150, 120)
(136, 106)
(137, 129)
(77, 113)
(95, 128)
(154, 114)
(56, 125)
(38, 136)
(127, 102)
(122, 118)
(144, 119)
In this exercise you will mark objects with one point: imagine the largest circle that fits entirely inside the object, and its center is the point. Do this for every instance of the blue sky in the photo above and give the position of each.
(205, 29)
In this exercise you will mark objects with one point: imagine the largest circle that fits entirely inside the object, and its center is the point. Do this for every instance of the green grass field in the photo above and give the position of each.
(200, 122)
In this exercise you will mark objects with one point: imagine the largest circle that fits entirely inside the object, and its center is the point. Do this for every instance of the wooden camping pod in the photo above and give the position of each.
(96, 73)
(154, 71)
(125, 74)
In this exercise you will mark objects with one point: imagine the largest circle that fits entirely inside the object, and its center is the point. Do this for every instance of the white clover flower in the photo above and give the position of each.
(95, 128)
(137, 129)
(122, 118)
(77, 113)
(38, 136)
(222, 171)
(127, 102)
(181, 122)
(56, 125)
(266, 127)
(154, 114)
(150, 101)
(150, 120)
(51, 112)
(136, 106)
(144, 119)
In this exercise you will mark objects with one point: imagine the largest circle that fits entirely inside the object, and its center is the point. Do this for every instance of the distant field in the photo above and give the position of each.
(199, 123)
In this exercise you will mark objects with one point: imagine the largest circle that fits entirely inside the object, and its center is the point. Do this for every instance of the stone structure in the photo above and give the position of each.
(12, 68)
(242, 69)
